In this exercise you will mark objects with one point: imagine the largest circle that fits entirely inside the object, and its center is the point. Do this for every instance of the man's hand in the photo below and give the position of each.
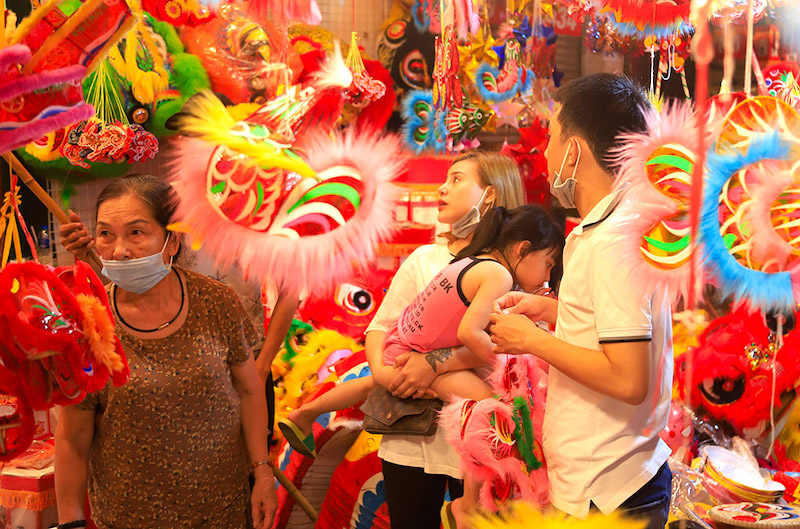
(416, 373)
(515, 334)
(535, 307)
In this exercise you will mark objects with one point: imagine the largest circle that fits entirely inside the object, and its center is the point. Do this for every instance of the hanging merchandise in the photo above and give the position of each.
(145, 81)
(280, 12)
(750, 206)
(477, 51)
(63, 33)
(781, 80)
(447, 92)
(602, 38)
(304, 214)
(647, 18)
(179, 12)
(735, 11)
(237, 52)
(36, 104)
(409, 55)
(673, 52)
(510, 80)
(364, 88)
(57, 341)
(313, 45)
(732, 370)
(528, 152)
(108, 137)
(426, 129)
(657, 168)
(745, 233)
(9, 229)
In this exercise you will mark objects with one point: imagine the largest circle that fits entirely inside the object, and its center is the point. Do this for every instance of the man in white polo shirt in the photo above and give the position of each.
(611, 357)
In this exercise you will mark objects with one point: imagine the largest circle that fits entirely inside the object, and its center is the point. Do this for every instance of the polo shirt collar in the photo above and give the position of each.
(601, 211)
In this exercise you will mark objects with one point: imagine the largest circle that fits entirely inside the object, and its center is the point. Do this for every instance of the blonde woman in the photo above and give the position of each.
(418, 469)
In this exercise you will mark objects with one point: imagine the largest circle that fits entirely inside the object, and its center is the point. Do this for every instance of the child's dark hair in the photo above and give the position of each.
(501, 227)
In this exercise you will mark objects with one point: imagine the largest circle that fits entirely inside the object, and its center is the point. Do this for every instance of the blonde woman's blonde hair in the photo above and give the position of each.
(499, 171)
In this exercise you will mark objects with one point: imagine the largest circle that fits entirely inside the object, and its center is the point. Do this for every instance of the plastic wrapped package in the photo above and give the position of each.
(239, 55)
(690, 499)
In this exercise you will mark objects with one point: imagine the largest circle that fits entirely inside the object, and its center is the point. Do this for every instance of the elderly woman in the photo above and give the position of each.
(173, 446)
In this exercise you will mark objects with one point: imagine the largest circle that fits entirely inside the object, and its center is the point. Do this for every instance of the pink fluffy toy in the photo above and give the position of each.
(304, 218)
(498, 439)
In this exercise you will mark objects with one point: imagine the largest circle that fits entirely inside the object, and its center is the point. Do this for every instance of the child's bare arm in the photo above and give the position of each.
(489, 281)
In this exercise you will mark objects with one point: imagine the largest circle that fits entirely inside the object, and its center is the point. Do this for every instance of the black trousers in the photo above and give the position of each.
(415, 498)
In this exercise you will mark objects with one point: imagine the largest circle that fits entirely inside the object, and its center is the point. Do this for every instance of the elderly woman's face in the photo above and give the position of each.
(127, 230)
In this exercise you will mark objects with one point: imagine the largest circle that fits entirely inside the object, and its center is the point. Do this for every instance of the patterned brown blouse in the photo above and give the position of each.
(168, 449)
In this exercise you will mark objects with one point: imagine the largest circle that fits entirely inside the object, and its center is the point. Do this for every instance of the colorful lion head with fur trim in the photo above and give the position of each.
(732, 370)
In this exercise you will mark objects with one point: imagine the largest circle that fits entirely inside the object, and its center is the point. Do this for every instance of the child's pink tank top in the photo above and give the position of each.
(431, 320)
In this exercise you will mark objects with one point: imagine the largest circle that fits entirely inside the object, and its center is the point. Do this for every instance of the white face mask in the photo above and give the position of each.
(138, 275)
(469, 221)
(564, 190)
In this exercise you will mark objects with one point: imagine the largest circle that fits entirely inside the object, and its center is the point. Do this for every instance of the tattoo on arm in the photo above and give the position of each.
(438, 356)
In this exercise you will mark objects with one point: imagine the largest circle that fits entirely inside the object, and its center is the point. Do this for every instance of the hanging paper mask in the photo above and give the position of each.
(306, 218)
(236, 51)
(423, 127)
(408, 55)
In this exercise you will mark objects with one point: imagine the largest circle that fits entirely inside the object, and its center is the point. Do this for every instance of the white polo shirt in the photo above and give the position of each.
(598, 449)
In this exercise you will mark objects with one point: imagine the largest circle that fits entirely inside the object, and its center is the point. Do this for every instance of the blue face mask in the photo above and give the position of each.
(138, 275)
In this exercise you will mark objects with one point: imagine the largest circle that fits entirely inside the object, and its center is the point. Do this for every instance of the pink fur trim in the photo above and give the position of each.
(21, 136)
(484, 454)
(12, 55)
(773, 179)
(28, 83)
(643, 206)
(316, 263)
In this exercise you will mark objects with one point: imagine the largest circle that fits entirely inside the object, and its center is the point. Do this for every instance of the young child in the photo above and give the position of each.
(517, 247)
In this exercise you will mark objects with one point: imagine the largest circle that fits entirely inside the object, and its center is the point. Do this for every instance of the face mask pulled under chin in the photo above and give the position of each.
(564, 190)
(469, 221)
(138, 275)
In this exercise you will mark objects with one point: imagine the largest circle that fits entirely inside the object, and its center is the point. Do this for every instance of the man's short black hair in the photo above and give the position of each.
(599, 108)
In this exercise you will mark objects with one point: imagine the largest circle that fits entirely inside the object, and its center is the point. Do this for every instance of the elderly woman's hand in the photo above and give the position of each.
(264, 500)
(75, 237)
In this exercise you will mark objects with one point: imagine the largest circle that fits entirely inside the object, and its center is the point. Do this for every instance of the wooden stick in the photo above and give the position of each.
(46, 199)
(295, 494)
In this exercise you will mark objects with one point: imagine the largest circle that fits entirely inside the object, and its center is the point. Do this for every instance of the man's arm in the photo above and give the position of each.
(620, 370)
(279, 324)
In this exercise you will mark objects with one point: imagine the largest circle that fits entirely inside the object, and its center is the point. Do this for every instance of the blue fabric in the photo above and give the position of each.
(651, 502)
